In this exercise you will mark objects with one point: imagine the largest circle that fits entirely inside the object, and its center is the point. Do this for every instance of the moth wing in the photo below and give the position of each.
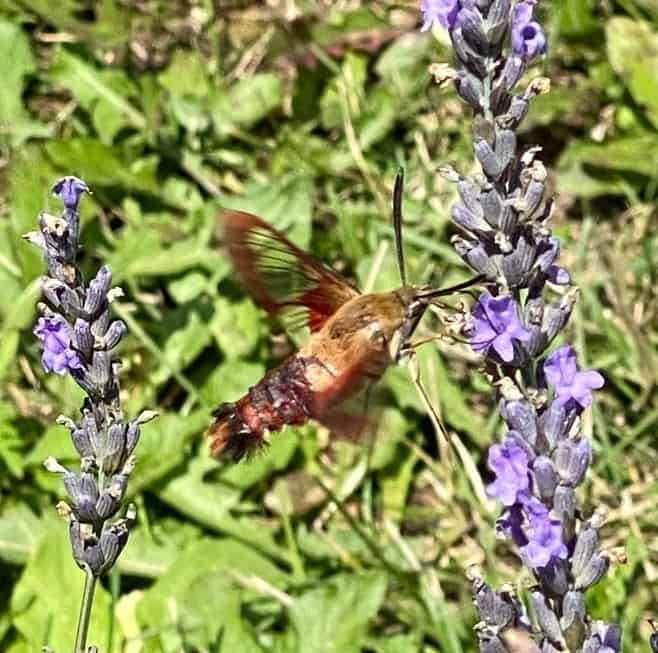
(278, 274)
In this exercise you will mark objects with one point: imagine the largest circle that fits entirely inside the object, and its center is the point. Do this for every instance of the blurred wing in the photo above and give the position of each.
(278, 274)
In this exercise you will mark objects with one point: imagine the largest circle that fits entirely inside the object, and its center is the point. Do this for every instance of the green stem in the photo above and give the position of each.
(85, 612)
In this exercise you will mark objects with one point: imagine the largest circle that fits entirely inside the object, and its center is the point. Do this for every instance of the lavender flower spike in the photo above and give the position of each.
(79, 336)
(503, 217)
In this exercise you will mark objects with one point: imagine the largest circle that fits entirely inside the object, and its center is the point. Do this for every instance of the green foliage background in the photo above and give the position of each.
(301, 111)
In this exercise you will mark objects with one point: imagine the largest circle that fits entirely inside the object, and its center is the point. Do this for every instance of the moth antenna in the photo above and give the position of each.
(397, 223)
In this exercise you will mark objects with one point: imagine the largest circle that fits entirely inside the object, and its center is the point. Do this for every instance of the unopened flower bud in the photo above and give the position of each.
(555, 577)
(112, 541)
(495, 609)
(492, 206)
(547, 619)
(573, 619)
(469, 220)
(100, 370)
(83, 491)
(564, 504)
(97, 291)
(83, 338)
(114, 451)
(545, 478)
(593, 571)
(552, 423)
(466, 55)
(476, 256)
(113, 335)
(469, 88)
(471, 25)
(572, 458)
(521, 416)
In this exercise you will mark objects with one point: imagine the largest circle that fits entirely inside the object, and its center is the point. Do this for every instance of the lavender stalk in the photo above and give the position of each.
(80, 337)
(504, 218)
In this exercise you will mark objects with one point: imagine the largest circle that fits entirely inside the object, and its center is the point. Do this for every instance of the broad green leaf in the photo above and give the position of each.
(20, 646)
(106, 93)
(404, 63)
(275, 458)
(395, 481)
(380, 114)
(55, 441)
(21, 312)
(11, 451)
(285, 204)
(591, 169)
(21, 531)
(9, 339)
(207, 500)
(100, 164)
(182, 347)
(186, 74)
(343, 97)
(230, 380)
(46, 599)
(336, 615)
(632, 47)
(193, 494)
(223, 559)
(341, 23)
(245, 103)
(139, 251)
(16, 63)
(310, 155)
(408, 643)
(201, 612)
(150, 556)
(31, 178)
(236, 327)
(163, 445)
(577, 19)
(391, 426)
(188, 287)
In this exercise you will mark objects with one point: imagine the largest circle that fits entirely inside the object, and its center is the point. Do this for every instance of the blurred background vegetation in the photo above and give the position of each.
(301, 111)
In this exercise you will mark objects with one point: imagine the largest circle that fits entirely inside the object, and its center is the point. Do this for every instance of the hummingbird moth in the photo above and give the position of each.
(354, 336)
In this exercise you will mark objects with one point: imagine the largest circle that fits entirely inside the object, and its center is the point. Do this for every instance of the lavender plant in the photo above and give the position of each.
(80, 337)
(504, 218)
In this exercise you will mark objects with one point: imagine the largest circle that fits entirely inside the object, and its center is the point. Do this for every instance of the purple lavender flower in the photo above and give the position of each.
(608, 636)
(528, 38)
(443, 11)
(56, 334)
(511, 524)
(497, 325)
(558, 275)
(509, 462)
(570, 384)
(70, 189)
(544, 535)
